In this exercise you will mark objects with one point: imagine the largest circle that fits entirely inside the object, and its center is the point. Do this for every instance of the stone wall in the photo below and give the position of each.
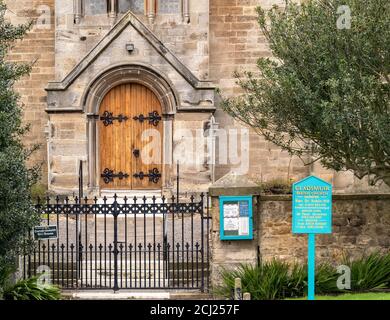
(220, 37)
(189, 41)
(361, 224)
(236, 43)
(37, 47)
(67, 146)
(69, 135)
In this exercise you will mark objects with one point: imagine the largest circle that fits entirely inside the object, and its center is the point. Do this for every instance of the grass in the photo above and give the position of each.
(353, 296)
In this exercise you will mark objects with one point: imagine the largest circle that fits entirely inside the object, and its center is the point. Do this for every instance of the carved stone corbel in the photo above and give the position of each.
(78, 10)
(185, 7)
(151, 14)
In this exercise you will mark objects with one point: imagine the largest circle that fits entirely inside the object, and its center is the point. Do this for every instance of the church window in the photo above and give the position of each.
(136, 6)
(95, 7)
(168, 6)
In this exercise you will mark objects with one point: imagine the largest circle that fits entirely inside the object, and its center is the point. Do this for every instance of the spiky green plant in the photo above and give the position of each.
(369, 272)
(30, 289)
(276, 280)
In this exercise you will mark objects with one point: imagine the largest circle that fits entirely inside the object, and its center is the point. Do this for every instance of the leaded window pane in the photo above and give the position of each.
(168, 6)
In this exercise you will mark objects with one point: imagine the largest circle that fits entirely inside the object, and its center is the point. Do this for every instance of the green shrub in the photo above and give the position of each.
(29, 289)
(326, 279)
(297, 285)
(266, 281)
(38, 190)
(17, 214)
(369, 272)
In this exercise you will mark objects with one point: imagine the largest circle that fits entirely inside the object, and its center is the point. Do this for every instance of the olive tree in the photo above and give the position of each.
(325, 90)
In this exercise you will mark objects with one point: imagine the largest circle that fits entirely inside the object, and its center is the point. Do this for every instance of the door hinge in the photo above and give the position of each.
(109, 175)
(108, 118)
(154, 118)
(154, 175)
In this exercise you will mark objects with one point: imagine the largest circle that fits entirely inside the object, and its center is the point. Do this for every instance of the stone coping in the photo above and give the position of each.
(349, 196)
(256, 191)
(233, 191)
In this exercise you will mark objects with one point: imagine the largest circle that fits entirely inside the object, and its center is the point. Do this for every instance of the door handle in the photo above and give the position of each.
(136, 153)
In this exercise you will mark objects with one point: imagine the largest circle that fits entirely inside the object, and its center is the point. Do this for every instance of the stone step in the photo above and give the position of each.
(123, 294)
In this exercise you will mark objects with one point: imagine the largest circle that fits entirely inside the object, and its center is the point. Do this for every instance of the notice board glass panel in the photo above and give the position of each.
(236, 217)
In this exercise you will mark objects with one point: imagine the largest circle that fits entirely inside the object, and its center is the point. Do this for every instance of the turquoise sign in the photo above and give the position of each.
(312, 214)
(312, 206)
(236, 218)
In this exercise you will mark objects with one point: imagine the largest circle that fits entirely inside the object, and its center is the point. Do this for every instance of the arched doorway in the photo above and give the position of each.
(130, 139)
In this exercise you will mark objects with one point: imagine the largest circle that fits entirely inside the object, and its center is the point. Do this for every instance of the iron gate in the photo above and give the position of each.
(146, 243)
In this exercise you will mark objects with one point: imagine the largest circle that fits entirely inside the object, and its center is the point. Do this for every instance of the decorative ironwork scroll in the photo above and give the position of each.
(154, 175)
(154, 118)
(108, 118)
(109, 175)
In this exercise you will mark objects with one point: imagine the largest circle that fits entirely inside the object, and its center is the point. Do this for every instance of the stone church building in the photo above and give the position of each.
(127, 87)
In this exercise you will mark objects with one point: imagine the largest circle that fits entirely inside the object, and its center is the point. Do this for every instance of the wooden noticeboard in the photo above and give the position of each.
(236, 217)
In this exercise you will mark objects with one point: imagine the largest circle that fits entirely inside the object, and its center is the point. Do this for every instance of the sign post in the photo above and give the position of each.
(312, 214)
(311, 265)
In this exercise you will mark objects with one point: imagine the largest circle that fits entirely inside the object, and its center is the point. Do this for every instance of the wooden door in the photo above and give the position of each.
(130, 139)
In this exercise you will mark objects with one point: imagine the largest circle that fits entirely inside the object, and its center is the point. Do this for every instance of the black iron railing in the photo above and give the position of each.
(146, 243)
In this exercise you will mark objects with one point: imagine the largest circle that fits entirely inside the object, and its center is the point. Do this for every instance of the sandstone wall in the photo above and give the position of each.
(236, 43)
(361, 224)
(37, 47)
(222, 36)
(189, 41)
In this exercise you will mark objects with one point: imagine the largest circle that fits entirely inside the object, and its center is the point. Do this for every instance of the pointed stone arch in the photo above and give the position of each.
(130, 73)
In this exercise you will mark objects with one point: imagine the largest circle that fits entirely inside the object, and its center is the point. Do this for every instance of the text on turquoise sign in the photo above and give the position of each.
(312, 206)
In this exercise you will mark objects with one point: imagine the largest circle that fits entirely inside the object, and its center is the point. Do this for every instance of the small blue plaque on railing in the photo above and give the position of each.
(45, 232)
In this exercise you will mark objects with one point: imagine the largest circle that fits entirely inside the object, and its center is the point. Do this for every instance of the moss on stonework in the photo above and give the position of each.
(276, 187)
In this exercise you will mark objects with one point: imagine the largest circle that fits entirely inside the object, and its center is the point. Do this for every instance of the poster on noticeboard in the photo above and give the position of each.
(236, 218)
